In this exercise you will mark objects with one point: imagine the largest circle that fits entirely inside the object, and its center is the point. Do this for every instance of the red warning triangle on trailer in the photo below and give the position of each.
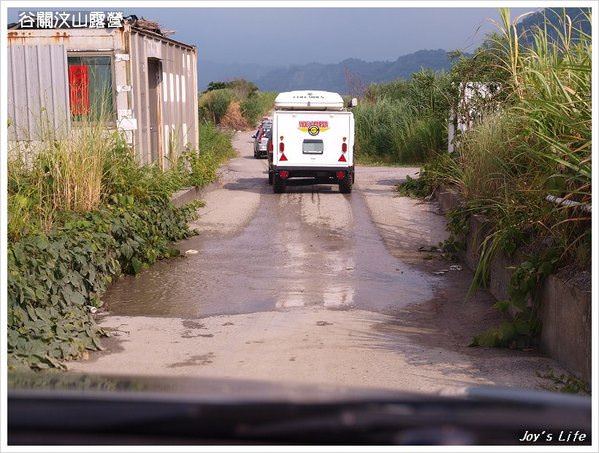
(282, 158)
(342, 158)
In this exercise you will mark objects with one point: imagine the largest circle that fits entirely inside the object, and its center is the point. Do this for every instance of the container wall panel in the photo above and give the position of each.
(177, 92)
(38, 95)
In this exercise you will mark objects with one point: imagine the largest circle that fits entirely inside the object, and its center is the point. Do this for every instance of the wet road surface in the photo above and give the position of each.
(309, 286)
(283, 258)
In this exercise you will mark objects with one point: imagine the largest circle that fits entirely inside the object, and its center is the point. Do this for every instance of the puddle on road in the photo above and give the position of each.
(278, 261)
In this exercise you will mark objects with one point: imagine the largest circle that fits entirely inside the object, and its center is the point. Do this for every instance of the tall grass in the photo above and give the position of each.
(89, 167)
(393, 132)
(537, 142)
(551, 105)
(257, 105)
(57, 175)
(552, 79)
(213, 105)
(403, 121)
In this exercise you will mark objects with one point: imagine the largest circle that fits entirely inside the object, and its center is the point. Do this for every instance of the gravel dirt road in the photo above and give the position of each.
(312, 287)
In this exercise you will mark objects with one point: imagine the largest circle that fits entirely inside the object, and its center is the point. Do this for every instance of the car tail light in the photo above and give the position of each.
(270, 146)
(342, 158)
(340, 175)
(281, 147)
(344, 147)
(284, 174)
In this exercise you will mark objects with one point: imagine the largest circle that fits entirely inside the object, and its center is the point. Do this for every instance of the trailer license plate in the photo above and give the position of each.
(312, 146)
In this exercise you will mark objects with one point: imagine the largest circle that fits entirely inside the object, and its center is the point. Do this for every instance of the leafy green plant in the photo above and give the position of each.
(524, 326)
(564, 383)
(62, 255)
(414, 187)
(458, 225)
(55, 280)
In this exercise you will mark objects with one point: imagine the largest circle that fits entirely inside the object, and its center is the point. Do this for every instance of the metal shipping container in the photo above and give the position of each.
(153, 84)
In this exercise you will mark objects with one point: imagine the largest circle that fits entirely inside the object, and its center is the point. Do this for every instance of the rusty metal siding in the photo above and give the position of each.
(38, 97)
(177, 115)
(139, 87)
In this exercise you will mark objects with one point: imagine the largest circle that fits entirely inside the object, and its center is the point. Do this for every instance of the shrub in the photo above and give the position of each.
(254, 107)
(236, 104)
(234, 119)
(213, 105)
(241, 87)
(216, 147)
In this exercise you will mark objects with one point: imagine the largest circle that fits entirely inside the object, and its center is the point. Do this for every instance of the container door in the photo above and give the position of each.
(154, 84)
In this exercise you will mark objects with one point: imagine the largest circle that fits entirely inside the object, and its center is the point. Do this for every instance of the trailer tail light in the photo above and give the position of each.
(342, 158)
(344, 147)
(340, 175)
(284, 174)
(282, 158)
(281, 147)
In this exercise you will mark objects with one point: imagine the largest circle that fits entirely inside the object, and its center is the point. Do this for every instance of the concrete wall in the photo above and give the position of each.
(564, 307)
(567, 325)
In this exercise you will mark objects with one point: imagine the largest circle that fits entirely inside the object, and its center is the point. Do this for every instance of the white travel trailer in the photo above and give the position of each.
(312, 137)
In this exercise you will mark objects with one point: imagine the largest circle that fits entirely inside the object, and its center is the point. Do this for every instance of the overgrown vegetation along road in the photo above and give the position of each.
(309, 286)
(530, 140)
(237, 104)
(81, 213)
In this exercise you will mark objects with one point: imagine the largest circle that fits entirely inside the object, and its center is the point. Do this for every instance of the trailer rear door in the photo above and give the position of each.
(313, 139)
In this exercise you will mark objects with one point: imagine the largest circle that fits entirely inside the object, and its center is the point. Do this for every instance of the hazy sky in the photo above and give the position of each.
(283, 36)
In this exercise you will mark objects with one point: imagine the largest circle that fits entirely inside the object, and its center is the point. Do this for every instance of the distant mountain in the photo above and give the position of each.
(554, 18)
(332, 77)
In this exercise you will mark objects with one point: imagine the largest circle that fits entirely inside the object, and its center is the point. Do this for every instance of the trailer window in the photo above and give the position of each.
(90, 88)
(312, 146)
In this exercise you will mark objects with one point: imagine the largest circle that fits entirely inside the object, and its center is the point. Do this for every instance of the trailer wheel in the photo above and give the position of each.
(270, 177)
(278, 185)
(345, 185)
